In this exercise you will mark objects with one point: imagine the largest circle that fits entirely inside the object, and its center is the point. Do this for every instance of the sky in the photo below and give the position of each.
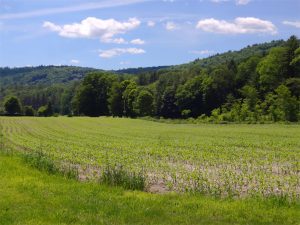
(116, 34)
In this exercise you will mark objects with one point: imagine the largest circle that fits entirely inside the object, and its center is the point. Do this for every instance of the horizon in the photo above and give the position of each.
(126, 68)
(114, 35)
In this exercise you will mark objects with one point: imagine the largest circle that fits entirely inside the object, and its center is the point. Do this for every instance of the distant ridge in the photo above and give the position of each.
(49, 75)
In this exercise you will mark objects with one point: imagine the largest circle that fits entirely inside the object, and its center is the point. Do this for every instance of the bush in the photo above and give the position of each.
(186, 113)
(42, 111)
(29, 111)
(46, 110)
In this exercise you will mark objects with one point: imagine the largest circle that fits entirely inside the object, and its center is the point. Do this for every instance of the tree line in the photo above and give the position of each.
(264, 86)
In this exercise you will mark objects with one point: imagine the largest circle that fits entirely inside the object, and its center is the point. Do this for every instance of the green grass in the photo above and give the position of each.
(219, 160)
(29, 196)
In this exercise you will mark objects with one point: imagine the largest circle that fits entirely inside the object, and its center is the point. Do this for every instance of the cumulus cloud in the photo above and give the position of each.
(292, 23)
(51, 26)
(120, 51)
(241, 25)
(202, 52)
(137, 42)
(171, 26)
(92, 27)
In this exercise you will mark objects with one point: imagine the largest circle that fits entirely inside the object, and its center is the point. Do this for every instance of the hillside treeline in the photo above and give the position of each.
(258, 83)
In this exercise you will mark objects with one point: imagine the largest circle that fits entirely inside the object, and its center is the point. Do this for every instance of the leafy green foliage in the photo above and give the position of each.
(45, 110)
(144, 103)
(28, 111)
(272, 69)
(92, 96)
(12, 105)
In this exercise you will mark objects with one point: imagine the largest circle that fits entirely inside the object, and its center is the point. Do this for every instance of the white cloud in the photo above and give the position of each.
(51, 26)
(137, 42)
(92, 27)
(73, 8)
(151, 23)
(119, 51)
(74, 61)
(114, 40)
(242, 2)
(292, 23)
(171, 26)
(241, 25)
(202, 52)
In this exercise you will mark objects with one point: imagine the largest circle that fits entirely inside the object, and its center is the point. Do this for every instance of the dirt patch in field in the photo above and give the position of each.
(158, 188)
(88, 173)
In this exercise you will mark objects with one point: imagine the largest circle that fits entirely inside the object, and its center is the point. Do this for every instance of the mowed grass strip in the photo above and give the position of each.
(29, 196)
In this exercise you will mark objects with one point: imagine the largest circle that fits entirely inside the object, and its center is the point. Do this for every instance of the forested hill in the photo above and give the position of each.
(238, 56)
(259, 82)
(41, 75)
(49, 75)
(139, 70)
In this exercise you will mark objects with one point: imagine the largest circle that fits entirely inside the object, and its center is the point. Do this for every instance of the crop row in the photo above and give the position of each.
(223, 160)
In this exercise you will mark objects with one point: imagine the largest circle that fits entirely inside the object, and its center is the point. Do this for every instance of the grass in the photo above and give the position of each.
(117, 176)
(43, 162)
(29, 196)
(218, 160)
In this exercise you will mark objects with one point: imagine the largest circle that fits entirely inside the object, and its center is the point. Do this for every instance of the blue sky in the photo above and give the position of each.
(113, 34)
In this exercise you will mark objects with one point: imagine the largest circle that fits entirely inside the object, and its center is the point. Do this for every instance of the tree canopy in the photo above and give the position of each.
(12, 105)
(258, 83)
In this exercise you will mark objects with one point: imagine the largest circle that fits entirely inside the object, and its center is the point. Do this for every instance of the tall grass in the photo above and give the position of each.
(118, 176)
(44, 162)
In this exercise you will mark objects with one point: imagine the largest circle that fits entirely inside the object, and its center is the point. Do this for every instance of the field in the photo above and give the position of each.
(204, 174)
(217, 160)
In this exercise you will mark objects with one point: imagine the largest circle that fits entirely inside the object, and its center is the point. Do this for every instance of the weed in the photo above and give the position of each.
(117, 176)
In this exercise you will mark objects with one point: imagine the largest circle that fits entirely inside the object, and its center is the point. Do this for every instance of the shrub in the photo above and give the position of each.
(29, 111)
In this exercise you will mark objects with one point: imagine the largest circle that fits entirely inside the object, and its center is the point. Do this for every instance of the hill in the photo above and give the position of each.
(49, 75)
(238, 56)
(41, 75)
(252, 80)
